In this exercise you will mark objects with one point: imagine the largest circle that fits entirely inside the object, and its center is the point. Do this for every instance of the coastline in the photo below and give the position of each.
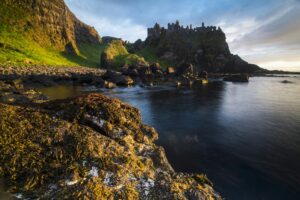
(98, 147)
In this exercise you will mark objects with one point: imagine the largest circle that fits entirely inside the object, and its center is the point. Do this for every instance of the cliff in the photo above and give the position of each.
(45, 25)
(205, 47)
(90, 147)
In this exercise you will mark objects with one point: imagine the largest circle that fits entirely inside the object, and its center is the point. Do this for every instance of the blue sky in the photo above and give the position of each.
(264, 32)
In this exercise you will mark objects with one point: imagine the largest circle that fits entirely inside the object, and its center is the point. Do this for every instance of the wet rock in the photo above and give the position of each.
(88, 147)
(109, 85)
(155, 67)
(203, 74)
(145, 72)
(118, 78)
(124, 80)
(170, 71)
(185, 69)
(131, 71)
(286, 82)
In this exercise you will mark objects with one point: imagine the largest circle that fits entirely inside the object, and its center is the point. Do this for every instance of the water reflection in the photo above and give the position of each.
(245, 137)
(62, 91)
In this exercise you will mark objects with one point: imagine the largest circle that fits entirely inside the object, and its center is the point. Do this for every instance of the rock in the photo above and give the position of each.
(109, 39)
(131, 71)
(145, 72)
(124, 80)
(137, 45)
(109, 85)
(118, 78)
(185, 69)
(286, 82)
(170, 71)
(237, 78)
(88, 147)
(203, 74)
(155, 67)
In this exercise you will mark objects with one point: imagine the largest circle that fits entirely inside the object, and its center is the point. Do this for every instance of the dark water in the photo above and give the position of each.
(245, 137)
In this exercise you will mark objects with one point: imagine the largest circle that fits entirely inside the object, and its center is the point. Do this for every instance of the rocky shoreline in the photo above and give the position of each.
(91, 146)
(17, 83)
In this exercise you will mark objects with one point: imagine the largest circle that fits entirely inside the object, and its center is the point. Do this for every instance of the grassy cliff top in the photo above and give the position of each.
(45, 32)
(116, 56)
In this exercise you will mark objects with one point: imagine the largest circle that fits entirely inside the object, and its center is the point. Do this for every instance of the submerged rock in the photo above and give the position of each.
(286, 81)
(89, 147)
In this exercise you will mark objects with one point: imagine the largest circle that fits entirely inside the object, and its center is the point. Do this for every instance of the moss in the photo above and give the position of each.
(48, 152)
(117, 56)
(150, 55)
(23, 41)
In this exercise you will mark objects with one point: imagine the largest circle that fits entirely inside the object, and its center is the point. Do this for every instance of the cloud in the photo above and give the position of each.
(265, 32)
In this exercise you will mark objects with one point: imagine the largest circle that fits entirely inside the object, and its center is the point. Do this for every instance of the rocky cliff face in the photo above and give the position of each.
(49, 23)
(205, 47)
(90, 147)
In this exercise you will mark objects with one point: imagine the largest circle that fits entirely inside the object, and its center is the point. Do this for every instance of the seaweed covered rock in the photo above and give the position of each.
(13, 92)
(90, 147)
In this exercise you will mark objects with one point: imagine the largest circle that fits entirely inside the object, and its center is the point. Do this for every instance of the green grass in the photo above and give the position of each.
(21, 44)
(89, 55)
(18, 49)
(150, 55)
(118, 56)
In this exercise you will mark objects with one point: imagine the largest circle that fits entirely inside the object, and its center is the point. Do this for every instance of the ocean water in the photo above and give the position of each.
(244, 136)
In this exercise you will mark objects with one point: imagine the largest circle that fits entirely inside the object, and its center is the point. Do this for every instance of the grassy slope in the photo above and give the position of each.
(17, 46)
(118, 55)
(149, 53)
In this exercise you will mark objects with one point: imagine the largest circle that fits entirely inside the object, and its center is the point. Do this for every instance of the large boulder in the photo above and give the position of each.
(170, 71)
(131, 71)
(118, 78)
(145, 72)
(185, 69)
(89, 147)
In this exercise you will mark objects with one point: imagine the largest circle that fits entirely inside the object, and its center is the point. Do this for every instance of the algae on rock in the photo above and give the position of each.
(90, 147)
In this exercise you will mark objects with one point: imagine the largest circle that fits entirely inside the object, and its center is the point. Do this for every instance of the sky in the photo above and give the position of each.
(263, 32)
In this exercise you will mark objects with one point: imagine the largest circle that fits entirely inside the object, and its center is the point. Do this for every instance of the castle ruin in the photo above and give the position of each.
(157, 30)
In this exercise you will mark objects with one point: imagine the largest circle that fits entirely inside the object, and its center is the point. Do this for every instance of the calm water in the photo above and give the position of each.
(245, 137)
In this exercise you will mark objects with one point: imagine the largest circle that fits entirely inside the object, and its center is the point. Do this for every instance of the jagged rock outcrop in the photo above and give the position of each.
(109, 39)
(205, 47)
(49, 23)
(90, 147)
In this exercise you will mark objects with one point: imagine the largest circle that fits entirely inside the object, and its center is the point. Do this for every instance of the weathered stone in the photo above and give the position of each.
(286, 81)
(155, 67)
(118, 78)
(109, 85)
(145, 72)
(170, 70)
(185, 69)
(203, 74)
(88, 147)
(124, 80)
(131, 71)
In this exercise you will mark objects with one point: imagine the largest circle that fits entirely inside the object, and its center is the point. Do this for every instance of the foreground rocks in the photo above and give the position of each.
(90, 147)
(48, 76)
(13, 92)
